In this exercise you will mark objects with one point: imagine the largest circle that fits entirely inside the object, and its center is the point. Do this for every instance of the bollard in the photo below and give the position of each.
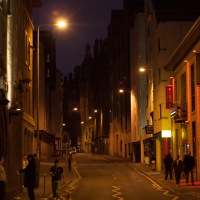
(17, 197)
(44, 198)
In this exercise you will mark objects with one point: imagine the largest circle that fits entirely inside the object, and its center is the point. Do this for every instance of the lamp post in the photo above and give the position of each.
(60, 24)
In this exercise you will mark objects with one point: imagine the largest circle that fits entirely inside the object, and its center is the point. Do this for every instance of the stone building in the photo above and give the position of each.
(167, 22)
(16, 86)
(184, 67)
(95, 98)
(71, 110)
(120, 137)
(50, 96)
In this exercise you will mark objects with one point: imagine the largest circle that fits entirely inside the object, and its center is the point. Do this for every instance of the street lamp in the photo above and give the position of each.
(60, 24)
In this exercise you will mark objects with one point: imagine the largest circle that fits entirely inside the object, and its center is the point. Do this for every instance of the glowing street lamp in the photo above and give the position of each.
(60, 24)
(142, 69)
(121, 90)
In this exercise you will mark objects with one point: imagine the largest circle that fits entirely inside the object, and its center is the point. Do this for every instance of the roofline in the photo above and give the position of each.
(186, 44)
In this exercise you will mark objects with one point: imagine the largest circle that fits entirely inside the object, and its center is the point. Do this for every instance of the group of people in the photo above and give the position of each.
(178, 166)
(30, 169)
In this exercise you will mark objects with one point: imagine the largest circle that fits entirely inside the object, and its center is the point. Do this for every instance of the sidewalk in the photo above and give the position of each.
(44, 191)
(192, 192)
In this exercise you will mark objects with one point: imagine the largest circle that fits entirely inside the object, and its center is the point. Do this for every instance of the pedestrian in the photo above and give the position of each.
(2, 179)
(24, 164)
(146, 160)
(177, 166)
(168, 160)
(189, 164)
(25, 161)
(92, 148)
(37, 171)
(57, 174)
(153, 162)
(29, 176)
(70, 162)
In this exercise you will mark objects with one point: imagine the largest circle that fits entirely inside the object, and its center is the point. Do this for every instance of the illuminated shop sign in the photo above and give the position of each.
(166, 133)
(169, 97)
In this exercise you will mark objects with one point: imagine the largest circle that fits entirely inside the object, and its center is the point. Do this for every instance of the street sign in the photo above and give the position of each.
(149, 129)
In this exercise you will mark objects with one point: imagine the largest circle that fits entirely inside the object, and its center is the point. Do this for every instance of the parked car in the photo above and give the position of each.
(73, 150)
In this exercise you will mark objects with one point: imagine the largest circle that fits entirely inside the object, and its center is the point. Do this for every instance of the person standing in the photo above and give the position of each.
(153, 163)
(189, 164)
(57, 174)
(177, 166)
(146, 160)
(2, 179)
(168, 160)
(37, 171)
(24, 164)
(25, 161)
(29, 176)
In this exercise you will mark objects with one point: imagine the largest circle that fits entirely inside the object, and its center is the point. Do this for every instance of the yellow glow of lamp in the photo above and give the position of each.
(62, 24)
(166, 133)
(142, 69)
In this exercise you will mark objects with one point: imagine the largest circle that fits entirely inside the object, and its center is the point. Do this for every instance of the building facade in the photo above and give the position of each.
(120, 128)
(18, 90)
(49, 107)
(141, 142)
(184, 65)
(16, 68)
(166, 25)
(71, 110)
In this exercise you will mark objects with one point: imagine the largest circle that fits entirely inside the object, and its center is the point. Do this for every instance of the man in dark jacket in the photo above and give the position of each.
(189, 164)
(177, 166)
(168, 160)
(57, 174)
(30, 176)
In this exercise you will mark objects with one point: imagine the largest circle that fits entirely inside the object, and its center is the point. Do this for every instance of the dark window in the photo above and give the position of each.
(192, 88)
(183, 88)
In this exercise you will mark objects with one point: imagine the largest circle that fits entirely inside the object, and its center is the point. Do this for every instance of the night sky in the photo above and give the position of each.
(88, 20)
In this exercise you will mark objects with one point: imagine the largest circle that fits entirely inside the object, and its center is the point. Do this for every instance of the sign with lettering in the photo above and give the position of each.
(149, 129)
(169, 97)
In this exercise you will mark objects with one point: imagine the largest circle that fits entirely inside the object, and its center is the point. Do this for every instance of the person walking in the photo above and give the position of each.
(57, 174)
(189, 164)
(177, 166)
(70, 162)
(168, 160)
(2, 179)
(29, 176)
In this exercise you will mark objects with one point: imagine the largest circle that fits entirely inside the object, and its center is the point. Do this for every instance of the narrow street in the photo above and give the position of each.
(100, 178)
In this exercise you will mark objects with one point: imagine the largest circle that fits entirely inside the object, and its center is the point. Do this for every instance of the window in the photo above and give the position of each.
(183, 88)
(192, 88)
(27, 50)
(198, 68)
(194, 138)
(160, 107)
